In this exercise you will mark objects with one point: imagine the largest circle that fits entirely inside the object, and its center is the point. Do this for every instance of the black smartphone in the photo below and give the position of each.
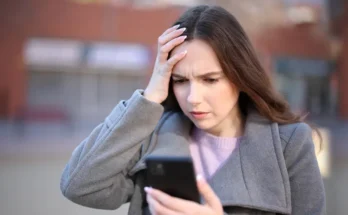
(173, 175)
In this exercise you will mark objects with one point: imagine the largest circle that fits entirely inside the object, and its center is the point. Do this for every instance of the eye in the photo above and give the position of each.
(211, 80)
(179, 81)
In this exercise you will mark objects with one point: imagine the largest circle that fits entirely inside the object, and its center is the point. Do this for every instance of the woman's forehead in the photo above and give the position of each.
(200, 58)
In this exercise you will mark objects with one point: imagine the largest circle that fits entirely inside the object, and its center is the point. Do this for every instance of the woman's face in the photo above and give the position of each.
(203, 92)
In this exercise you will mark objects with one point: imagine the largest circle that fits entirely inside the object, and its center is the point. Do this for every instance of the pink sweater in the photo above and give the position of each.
(210, 152)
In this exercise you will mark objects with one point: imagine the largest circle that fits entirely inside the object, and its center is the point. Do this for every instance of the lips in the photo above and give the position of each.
(198, 114)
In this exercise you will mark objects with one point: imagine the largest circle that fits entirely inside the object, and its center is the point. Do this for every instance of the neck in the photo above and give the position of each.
(232, 126)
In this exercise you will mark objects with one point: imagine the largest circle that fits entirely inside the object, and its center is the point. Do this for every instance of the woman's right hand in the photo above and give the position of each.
(157, 89)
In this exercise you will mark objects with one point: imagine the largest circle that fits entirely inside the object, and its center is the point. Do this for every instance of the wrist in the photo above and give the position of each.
(150, 97)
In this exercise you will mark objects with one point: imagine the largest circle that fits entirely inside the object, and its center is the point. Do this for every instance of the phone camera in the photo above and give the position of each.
(157, 169)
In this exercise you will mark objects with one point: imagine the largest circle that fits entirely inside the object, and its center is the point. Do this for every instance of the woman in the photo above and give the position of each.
(208, 98)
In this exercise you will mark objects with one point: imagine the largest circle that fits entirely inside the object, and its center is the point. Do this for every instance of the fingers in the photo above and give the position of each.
(208, 194)
(175, 59)
(163, 39)
(171, 29)
(172, 203)
(156, 208)
(167, 42)
(171, 44)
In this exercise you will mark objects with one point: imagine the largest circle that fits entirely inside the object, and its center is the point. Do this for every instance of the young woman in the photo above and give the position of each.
(210, 99)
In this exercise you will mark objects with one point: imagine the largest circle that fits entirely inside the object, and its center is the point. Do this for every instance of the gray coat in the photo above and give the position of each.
(274, 171)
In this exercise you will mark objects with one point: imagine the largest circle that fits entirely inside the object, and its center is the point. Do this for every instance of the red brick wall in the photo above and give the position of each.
(12, 81)
(343, 76)
(21, 19)
(303, 41)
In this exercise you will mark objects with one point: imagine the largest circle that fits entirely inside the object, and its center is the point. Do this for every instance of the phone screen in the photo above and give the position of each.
(174, 176)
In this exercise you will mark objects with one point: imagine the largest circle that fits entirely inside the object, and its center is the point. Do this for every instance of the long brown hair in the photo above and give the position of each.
(222, 31)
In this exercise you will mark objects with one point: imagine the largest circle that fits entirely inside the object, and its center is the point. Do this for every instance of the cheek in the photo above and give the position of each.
(223, 95)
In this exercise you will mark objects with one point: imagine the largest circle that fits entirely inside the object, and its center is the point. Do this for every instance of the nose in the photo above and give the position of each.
(194, 97)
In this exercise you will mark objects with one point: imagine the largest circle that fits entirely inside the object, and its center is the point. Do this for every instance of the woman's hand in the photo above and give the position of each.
(157, 89)
(161, 203)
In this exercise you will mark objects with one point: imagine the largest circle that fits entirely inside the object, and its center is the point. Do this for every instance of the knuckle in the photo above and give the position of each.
(165, 200)
(162, 49)
(174, 59)
(170, 63)
(160, 41)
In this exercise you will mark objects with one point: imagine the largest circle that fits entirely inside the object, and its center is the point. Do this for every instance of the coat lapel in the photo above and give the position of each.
(253, 176)
(173, 137)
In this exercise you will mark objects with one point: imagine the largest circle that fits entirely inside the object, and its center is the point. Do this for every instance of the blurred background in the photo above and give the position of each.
(64, 64)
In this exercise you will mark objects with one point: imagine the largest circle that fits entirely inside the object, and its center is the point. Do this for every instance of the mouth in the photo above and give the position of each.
(198, 114)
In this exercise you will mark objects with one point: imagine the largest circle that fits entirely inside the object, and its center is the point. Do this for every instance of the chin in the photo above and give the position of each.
(203, 125)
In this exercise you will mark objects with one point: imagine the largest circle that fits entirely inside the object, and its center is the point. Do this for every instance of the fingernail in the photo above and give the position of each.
(184, 37)
(182, 29)
(184, 52)
(176, 26)
(199, 177)
(147, 189)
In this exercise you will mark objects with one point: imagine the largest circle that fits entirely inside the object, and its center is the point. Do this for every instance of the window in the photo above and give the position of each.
(307, 84)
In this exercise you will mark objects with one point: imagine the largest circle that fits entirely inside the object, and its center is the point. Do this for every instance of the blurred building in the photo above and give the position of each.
(78, 58)
(72, 59)
(293, 39)
(338, 13)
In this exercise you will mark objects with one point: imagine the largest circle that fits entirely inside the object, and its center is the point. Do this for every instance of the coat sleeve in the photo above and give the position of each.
(306, 184)
(97, 173)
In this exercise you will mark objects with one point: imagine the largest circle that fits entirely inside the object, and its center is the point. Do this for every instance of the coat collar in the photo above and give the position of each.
(254, 176)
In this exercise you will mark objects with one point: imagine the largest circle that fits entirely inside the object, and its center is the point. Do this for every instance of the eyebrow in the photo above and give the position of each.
(199, 76)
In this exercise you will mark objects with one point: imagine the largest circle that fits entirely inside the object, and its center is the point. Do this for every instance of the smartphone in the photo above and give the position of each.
(173, 175)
